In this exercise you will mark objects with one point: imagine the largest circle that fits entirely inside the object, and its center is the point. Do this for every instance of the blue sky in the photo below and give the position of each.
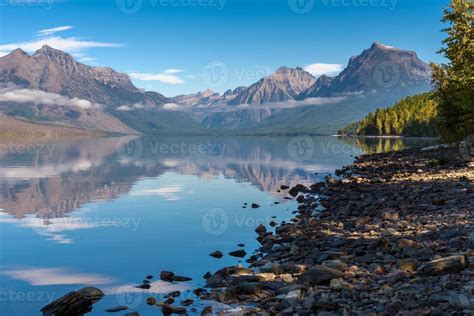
(176, 46)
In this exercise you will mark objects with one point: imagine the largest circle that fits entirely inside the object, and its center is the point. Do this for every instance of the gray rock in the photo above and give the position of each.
(318, 275)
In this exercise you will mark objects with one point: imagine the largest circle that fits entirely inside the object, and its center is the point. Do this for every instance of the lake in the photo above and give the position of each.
(108, 212)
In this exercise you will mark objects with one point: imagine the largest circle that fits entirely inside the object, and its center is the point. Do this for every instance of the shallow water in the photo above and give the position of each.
(108, 212)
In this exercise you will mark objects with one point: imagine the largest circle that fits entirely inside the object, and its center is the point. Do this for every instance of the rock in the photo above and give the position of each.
(132, 314)
(168, 309)
(207, 310)
(166, 276)
(144, 286)
(439, 201)
(238, 253)
(390, 215)
(265, 277)
(471, 240)
(91, 293)
(284, 187)
(178, 278)
(451, 264)
(116, 309)
(255, 205)
(151, 300)
(217, 254)
(319, 275)
(73, 304)
(335, 264)
(187, 302)
(461, 301)
(149, 277)
(207, 275)
(339, 284)
(407, 265)
(261, 229)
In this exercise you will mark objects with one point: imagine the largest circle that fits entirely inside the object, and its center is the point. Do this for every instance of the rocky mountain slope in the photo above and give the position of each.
(51, 87)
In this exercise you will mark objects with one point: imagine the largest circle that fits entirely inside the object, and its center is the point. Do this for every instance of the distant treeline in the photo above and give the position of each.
(413, 116)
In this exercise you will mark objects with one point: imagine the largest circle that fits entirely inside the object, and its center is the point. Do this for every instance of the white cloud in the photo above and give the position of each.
(41, 97)
(50, 31)
(55, 276)
(125, 108)
(173, 71)
(319, 69)
(168, 192)
(69, 44)
(163, 77)
(172, 107)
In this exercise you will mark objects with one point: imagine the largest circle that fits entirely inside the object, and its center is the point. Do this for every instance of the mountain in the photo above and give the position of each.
(283, 85)
(380, 67)
(50, 87)
(54, 71)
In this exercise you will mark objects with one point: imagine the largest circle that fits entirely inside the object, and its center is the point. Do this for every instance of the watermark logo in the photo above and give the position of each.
(301, 148)
(128, 295)
(131, 150)
(129, 6)
(215, 74)
(48, 4)
(215, 221)
(301, 6)
(386, 74)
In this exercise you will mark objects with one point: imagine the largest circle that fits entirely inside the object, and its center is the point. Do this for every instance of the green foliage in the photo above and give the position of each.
(413, 116)
(454, 82)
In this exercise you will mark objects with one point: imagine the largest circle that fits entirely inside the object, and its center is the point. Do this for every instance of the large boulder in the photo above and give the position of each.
(319, 275)
(446, 265)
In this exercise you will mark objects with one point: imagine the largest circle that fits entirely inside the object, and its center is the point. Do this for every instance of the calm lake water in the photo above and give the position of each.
(108, 212)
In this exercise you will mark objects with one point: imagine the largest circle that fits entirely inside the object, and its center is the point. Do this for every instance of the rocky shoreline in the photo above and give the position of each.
(392, 234)
(395, 236)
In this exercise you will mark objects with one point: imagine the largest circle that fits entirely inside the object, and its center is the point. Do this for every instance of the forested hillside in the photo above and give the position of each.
(413, 116)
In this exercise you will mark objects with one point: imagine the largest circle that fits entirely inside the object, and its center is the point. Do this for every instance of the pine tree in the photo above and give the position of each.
(454, 82)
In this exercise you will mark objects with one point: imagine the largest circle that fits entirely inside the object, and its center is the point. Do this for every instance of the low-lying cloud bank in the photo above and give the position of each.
(41, 97)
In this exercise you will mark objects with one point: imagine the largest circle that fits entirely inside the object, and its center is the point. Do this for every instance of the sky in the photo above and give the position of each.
(185, 46)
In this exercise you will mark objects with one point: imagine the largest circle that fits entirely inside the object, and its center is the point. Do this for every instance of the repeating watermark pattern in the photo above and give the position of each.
(133, 149)
(129, 6)
(216, 74)
(133, 6)
(301, 148)
(301, 6)
(128, 295)
(42, 149)
(48, 4)
(306, 6)
(12, 295)
(387, 74)
(72, 223)
(215, 221)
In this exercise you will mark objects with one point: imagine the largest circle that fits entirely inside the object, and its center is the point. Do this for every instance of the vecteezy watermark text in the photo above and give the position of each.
(48, 4)
(12, 148)
(133, 6)
(12, 295)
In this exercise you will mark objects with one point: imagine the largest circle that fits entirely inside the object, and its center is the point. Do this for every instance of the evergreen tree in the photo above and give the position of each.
(454, 82)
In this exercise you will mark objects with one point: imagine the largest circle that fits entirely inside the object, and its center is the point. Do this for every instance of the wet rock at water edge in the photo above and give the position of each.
(116, 309)
(187, 302)
(132, 314)
(166, 276)
(168, 309)
(151, 300)
(217, 254)
(255, 205)
(261, 229)
(73, 303)
(91, 293)
(179, 278)
(238, 253)
(144, 286)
